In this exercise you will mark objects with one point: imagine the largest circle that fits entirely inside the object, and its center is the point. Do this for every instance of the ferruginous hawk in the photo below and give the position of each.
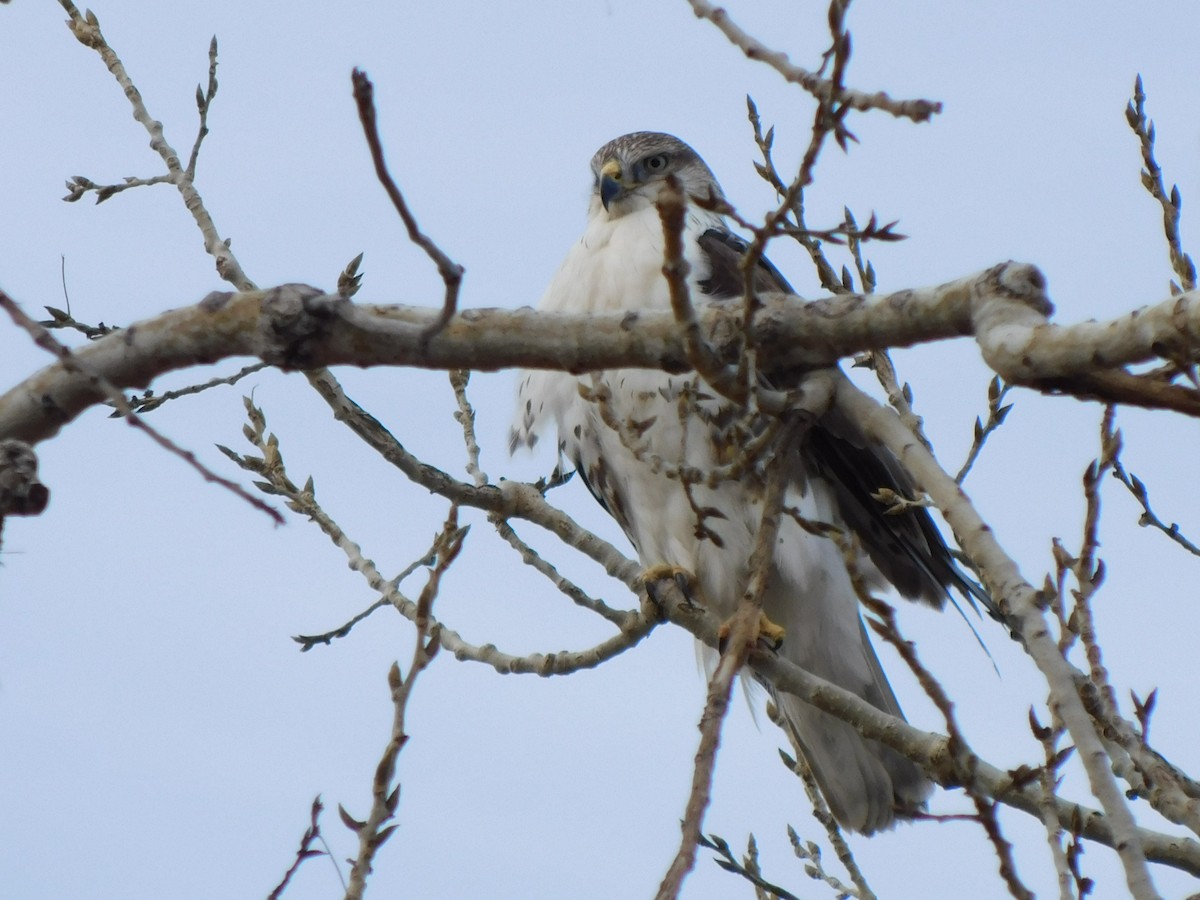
(709, 528)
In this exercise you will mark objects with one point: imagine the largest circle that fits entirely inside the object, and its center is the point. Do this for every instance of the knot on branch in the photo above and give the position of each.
(21, 494)
(1021, 282)
(295, 317)
(1010, 294)
(1008, 305)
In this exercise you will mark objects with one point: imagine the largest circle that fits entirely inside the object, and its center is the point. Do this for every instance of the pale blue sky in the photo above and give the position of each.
(160, 735)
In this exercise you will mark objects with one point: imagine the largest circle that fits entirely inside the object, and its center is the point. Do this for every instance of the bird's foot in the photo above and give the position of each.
(684, 580)
(768, 633)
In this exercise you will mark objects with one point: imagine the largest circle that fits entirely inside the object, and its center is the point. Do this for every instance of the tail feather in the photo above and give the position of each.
(868, 785)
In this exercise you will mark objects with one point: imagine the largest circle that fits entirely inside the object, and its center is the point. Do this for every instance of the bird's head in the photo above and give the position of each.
(630, 171)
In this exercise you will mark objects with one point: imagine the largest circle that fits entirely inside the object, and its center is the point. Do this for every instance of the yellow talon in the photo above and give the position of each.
(684, 580)
(666, 572)
(768, 632)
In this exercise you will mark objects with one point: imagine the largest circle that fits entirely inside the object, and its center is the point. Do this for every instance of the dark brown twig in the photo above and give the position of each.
(451, 272)
(747, 868)
(312, 833)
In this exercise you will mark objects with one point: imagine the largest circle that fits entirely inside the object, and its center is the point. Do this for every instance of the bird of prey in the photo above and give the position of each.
(632, 436)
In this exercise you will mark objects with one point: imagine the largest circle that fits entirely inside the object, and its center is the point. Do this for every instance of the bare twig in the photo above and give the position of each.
(1149, 518)
(373, 832)
(820, 809)
(465, 416)
(997, 413)
(742, 635)
(623, 619)
(1049, 737)
(451, 272)
(60, 319)
(515, 500)
(1152, 181)
(1019, 601)
(747, 868)
(957, 748)
(72, 363)
(822, 89)
(810, 852)
(672, 209)
(86, 28)
(79, 186)
(311, 834)
(204, 99)
(308, 641)
(150, 401)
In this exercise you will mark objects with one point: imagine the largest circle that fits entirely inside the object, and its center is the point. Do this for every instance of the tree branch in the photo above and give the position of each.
(299, 327)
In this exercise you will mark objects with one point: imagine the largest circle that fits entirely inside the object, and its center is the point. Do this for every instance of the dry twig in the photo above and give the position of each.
(451, 272)
(743, 633)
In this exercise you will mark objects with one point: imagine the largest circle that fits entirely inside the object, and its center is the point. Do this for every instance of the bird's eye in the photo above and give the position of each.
(656, 163)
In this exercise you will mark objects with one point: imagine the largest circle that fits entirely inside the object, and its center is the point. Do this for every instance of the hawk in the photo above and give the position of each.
(633, 435)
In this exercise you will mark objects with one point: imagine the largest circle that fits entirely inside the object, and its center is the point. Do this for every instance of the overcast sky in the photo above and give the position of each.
(160, 733)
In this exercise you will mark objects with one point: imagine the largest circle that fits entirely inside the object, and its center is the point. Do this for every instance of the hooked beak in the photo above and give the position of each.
(610, 183)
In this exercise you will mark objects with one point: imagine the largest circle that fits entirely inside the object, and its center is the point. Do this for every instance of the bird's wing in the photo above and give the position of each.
(907, 549)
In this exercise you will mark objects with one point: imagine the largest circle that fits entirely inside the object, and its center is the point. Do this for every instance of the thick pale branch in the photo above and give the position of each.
(930, 750)
(299, 327)
(1019, 601)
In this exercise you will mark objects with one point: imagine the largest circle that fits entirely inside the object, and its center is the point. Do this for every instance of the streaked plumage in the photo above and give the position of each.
(671, 421)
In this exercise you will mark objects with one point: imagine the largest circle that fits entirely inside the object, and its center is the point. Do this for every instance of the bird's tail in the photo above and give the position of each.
(868, 785)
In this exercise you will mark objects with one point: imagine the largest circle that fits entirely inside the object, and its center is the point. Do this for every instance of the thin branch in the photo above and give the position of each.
(997, 413)
(925, 748)
(822, 89)
(311, 834)
(465, 416)
(308, 641)
(956, 745)
(78, 186)
(451, 272)
(623, 619)
(514, 500)
(811, 854)
(820, 811)
(672, 211)
(1049, 737)
(1149, 518)
(373, 832)
(748, 869)
(743, 633)
(204, 99)
(86, 28)
(1152, 181)
(1019, 601)
(71, 362)
(150, 401)
(63, 319)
